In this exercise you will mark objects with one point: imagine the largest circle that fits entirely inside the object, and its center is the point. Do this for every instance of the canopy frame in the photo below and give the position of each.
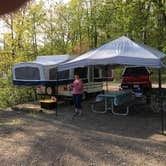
(125, 52)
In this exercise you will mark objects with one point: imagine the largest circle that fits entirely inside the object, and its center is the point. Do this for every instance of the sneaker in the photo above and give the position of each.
(80, 112)
(75, 114)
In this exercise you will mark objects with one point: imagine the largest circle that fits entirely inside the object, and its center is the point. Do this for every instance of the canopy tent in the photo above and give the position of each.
(122, 51)
(42, 71)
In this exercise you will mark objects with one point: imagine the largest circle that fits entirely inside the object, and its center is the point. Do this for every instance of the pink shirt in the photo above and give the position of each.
(77, 86)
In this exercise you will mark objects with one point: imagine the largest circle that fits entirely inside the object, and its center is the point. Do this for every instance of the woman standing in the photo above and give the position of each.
(77, 87)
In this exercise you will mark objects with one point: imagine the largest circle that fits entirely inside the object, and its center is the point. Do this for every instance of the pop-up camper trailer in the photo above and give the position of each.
(42, 71)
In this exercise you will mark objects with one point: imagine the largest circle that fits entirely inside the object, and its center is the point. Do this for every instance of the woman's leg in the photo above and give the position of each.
(75, 102)
(79, 106)
(77, 98)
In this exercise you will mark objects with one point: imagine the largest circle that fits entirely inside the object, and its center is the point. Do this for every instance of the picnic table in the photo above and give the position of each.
(114, 99)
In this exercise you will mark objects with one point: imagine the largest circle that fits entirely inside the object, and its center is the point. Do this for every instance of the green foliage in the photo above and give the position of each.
(11, 95)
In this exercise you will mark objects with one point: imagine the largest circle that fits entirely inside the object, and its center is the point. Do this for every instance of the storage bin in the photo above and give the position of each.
(48, 104)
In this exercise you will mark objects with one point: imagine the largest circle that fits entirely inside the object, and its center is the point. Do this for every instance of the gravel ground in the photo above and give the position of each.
(42, 139)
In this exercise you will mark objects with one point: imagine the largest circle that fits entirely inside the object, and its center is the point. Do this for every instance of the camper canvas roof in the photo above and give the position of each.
(51, 59)
(46, 60)
(42, 71)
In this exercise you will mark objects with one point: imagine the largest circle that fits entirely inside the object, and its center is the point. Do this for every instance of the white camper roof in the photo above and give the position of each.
(46, 60)
(51, 59)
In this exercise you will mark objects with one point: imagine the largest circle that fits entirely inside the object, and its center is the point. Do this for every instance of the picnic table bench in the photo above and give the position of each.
(112, 100)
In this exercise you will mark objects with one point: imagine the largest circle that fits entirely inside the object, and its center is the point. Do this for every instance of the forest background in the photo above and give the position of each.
(50, 27)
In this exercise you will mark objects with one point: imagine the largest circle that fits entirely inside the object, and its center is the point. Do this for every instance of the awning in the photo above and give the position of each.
(121, 51)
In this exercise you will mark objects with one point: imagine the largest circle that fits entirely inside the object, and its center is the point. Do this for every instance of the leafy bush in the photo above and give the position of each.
(11, 95)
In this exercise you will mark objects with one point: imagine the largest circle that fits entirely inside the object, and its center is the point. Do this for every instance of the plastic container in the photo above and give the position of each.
(48, 104)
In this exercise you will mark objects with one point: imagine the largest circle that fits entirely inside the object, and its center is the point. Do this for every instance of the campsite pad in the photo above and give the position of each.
(91, 140)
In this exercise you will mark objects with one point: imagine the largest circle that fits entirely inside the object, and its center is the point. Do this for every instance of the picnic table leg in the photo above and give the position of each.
(100, 112)
(119, 114)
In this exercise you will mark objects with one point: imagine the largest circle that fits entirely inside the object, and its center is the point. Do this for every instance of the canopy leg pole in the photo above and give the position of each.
(107, 79)
(56, 85)
(161, 102)
(106, 85)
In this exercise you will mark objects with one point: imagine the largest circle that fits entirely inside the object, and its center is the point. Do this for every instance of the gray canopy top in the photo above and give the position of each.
(121, 51)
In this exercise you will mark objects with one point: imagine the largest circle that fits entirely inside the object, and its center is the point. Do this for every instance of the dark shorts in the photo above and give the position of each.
(77, 99)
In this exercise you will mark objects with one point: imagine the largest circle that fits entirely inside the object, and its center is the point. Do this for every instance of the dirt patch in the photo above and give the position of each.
(42, 138)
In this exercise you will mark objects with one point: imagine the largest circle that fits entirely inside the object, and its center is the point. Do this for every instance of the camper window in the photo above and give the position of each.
(107, 73)
(104, 72)
(81, 71)
(96, 73)
(53, 74)
(27, 73)
(62, 75)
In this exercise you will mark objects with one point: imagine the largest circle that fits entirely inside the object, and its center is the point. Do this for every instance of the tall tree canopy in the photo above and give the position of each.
(80, 25)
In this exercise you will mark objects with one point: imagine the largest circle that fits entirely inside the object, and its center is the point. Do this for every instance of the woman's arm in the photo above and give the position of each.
(80, 85)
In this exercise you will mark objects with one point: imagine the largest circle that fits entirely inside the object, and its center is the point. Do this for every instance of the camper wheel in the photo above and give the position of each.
(48, 90)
